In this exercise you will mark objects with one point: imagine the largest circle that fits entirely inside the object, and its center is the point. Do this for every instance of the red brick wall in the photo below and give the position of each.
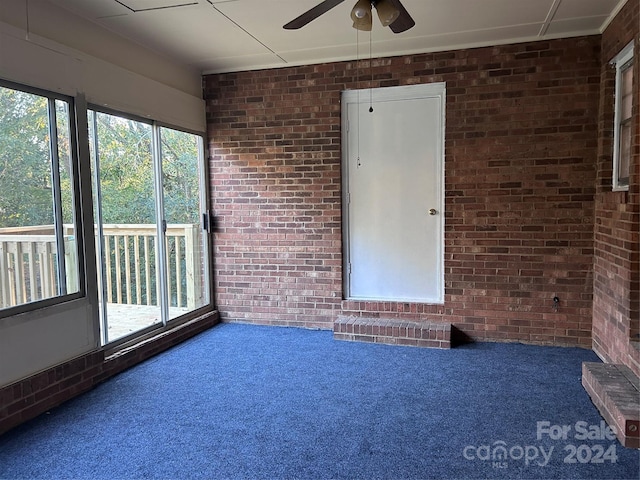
(521, 144)
(616, 311)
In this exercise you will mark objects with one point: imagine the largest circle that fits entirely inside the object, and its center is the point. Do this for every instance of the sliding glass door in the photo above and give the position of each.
(187, 282)
(148, 200)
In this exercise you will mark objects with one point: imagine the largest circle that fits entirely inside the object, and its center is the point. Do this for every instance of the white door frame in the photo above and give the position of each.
(364, 96)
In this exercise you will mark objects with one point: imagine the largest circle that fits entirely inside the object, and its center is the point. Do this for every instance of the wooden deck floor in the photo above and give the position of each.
(126, 319)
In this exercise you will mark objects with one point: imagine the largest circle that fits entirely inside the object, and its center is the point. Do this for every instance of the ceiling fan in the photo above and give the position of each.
(392, 14)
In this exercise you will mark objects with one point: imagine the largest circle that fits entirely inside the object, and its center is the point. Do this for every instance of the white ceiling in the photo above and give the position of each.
(235, 35)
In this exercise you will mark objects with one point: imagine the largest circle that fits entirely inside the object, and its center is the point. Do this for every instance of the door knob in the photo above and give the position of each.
(432, 211)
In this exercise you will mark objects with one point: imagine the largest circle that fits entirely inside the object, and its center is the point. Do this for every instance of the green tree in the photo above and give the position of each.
(180, 176)
(126, 170)
(25, 160)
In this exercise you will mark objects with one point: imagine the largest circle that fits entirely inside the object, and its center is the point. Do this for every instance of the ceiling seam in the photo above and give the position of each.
(246, 31)
(154, 8)
(550, 16)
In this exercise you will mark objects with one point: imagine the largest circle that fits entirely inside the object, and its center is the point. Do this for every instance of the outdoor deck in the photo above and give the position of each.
(31, 269)
(126, 319)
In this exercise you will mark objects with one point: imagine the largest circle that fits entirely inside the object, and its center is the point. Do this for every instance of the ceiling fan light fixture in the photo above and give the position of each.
(361, 15)
(387, 13)
(363, 25)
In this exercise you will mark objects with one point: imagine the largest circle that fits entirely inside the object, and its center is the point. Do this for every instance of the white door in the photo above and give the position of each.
(393, 183)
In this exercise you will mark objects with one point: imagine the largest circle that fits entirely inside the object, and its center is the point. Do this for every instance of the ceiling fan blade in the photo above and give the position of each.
(404, 22)
(312, 14)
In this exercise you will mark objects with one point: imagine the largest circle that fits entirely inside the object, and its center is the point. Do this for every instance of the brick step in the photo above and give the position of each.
(392, 331)
(615, 391)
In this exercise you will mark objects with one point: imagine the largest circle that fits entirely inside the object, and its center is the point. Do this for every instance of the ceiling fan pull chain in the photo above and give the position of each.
(370, 75)
(358, 163)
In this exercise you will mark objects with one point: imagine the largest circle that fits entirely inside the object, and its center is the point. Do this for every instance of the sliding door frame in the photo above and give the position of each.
(205, 225)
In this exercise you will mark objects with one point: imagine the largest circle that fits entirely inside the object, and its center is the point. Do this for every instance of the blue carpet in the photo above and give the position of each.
(250, 402)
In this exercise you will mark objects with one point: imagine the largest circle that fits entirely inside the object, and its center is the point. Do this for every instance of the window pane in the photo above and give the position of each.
(626, 93)
(625, 154)
(623, 113)
(181, 155)
(122, 168)
(66, 195)
(30, 267)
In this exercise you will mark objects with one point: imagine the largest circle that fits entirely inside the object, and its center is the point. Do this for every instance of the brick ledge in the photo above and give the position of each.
(392, 332)
(615, 391)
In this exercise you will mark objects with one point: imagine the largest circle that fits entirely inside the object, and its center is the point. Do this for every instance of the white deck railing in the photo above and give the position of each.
(28, 264)
(28, 267)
